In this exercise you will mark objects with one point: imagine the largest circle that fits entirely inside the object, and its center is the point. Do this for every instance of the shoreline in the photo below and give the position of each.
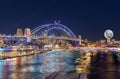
(18, 54)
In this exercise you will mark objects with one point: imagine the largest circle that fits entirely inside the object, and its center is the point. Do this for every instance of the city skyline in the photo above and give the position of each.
(59, 39)
(21, 32)
(86, 18)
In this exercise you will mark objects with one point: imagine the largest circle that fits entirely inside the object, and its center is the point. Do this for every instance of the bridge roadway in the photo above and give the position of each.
(12, 37)
(17, 37)
(60, 38)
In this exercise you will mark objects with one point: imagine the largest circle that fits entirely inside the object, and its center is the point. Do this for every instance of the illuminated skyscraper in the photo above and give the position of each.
(19, 32)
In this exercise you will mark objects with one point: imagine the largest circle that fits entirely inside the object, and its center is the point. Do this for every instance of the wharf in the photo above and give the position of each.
(70, 75)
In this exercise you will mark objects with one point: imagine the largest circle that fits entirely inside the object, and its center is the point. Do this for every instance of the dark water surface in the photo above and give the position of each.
(104, 67)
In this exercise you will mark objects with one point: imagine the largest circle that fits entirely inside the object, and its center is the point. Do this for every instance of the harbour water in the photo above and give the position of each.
(40, 66)
(104, 67)
(37, 66)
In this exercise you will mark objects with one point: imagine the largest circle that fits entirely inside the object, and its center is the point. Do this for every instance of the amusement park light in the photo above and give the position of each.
(108, 34)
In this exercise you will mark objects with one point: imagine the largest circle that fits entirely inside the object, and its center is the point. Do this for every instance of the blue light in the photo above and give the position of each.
(1, 60)
(2, 49)
(59, 26)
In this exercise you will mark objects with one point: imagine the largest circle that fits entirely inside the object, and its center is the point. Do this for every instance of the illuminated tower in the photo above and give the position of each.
(19, 32)
(27, 34)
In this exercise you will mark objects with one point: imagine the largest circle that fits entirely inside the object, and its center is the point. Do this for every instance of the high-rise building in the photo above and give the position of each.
(19, 32)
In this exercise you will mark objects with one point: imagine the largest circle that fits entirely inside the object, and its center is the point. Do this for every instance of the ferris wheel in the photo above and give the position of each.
(108, 34)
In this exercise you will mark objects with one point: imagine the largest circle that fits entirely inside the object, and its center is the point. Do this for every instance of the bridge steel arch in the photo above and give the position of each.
(53, 28)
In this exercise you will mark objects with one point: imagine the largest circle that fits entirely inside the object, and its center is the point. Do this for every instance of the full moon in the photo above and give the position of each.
(108, 33)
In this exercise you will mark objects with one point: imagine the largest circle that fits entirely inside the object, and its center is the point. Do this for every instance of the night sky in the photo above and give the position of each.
(88, 18)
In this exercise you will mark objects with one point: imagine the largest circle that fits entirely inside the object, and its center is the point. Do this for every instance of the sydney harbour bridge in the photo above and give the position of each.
(54, 33)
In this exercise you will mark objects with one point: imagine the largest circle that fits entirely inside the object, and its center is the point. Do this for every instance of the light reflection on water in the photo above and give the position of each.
(104, 67)
(37, 66)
